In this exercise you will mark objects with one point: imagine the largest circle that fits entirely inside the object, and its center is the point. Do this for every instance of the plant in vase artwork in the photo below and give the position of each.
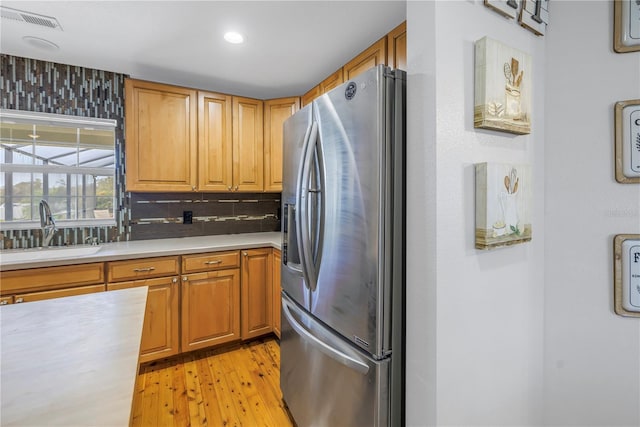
(503, 200)
(502, 88)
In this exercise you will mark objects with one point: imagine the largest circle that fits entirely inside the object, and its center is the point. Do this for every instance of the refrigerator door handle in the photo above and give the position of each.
(302, 213)
(335, 354)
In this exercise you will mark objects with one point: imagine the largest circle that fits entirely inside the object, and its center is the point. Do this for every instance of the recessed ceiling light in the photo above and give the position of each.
(39, 43)
(234, 37)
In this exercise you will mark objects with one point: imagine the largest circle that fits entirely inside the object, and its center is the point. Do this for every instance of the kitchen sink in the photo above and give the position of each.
(42, 254)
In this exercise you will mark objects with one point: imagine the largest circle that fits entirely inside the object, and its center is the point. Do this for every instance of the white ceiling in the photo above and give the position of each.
(291, 45)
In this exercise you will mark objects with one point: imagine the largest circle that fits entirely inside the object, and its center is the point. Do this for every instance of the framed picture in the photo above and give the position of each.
(508, 8)
(534, 16)
(503, 204)
(626, 26)
(626, 274)
(503, 88)
(627, 141)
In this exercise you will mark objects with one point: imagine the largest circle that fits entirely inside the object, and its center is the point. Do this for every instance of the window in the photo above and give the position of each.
(68, 161)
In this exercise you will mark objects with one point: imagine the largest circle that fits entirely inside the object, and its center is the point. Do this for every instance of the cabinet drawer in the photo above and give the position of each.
(38, 279)
(39, 296)
(210, 261)
(118, 271)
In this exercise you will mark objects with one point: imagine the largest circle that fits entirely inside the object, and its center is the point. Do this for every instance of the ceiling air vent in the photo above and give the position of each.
(29, 17)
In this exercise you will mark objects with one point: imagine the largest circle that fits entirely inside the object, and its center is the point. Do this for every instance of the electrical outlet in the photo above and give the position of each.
(187, 217)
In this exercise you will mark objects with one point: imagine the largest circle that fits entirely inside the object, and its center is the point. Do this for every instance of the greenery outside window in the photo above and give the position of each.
(68, 161)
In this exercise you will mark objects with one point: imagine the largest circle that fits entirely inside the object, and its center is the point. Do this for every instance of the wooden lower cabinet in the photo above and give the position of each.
(256, 296)
(210, 308)
(49, 278)
(277, 288)
(58, 293)
(160, 331)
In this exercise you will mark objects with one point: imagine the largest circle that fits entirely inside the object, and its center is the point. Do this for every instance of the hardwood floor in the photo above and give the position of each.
(233, 386)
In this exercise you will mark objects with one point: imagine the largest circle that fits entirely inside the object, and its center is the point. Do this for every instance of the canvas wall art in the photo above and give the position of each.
(503, 88)
(503, 204)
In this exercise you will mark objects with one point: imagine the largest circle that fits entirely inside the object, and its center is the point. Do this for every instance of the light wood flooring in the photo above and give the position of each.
(233, 386)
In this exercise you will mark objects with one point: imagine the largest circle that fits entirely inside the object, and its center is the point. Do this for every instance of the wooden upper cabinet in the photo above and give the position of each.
(397, 47)
(248, 146)
(325, 86)
(161, 137)
(215, 147)
(312, 94)
(276, 111)
(374, 55)
(334, 80)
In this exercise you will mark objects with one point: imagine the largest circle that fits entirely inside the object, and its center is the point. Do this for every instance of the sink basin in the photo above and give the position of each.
(42, 254)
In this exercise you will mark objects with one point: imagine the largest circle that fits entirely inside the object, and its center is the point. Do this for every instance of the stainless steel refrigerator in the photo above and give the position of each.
(341, 347)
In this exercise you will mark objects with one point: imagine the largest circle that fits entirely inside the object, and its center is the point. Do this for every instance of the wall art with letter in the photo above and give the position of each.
(503, 88)
(532, 14)
(626, 274)
(627, 116)
(626, 26)
(503, 204)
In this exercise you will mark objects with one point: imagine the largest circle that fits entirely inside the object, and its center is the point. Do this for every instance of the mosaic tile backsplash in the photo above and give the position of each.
(33, 85)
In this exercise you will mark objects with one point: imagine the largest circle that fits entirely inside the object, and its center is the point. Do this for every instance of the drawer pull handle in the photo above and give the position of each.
(213, 262)
(143, 270)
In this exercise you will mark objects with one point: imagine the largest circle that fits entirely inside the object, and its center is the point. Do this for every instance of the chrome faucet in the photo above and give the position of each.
(47, 223)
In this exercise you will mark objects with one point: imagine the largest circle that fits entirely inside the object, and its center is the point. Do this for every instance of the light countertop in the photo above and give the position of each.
(71, 361)
(154, 248)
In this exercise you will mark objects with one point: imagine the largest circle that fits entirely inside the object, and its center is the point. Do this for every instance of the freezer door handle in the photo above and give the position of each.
(302, 211)
(335, 354)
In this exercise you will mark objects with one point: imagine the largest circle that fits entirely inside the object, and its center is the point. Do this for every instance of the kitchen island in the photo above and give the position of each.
(71, 361)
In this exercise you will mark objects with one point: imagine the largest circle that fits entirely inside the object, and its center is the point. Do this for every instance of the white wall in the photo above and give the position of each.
(474, 333)
(592, 356)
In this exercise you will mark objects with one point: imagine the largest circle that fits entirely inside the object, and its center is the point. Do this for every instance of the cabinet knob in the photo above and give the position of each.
(19, 300)
(174, 280)
(229, 188)
(193, 188)
(245, 254)
(4, 302)
(185, 278)
(236, 189)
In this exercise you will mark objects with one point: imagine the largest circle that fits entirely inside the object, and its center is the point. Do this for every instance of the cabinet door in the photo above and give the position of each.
(334, 80)
(276, 111)
(374, 55)
(160, 335)
(210, 308)
(277, 301)
(248, 149)
(256, 294)
(215, 144)
(59, 293)
(312, 94)
(161, 137)
(397, 47)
